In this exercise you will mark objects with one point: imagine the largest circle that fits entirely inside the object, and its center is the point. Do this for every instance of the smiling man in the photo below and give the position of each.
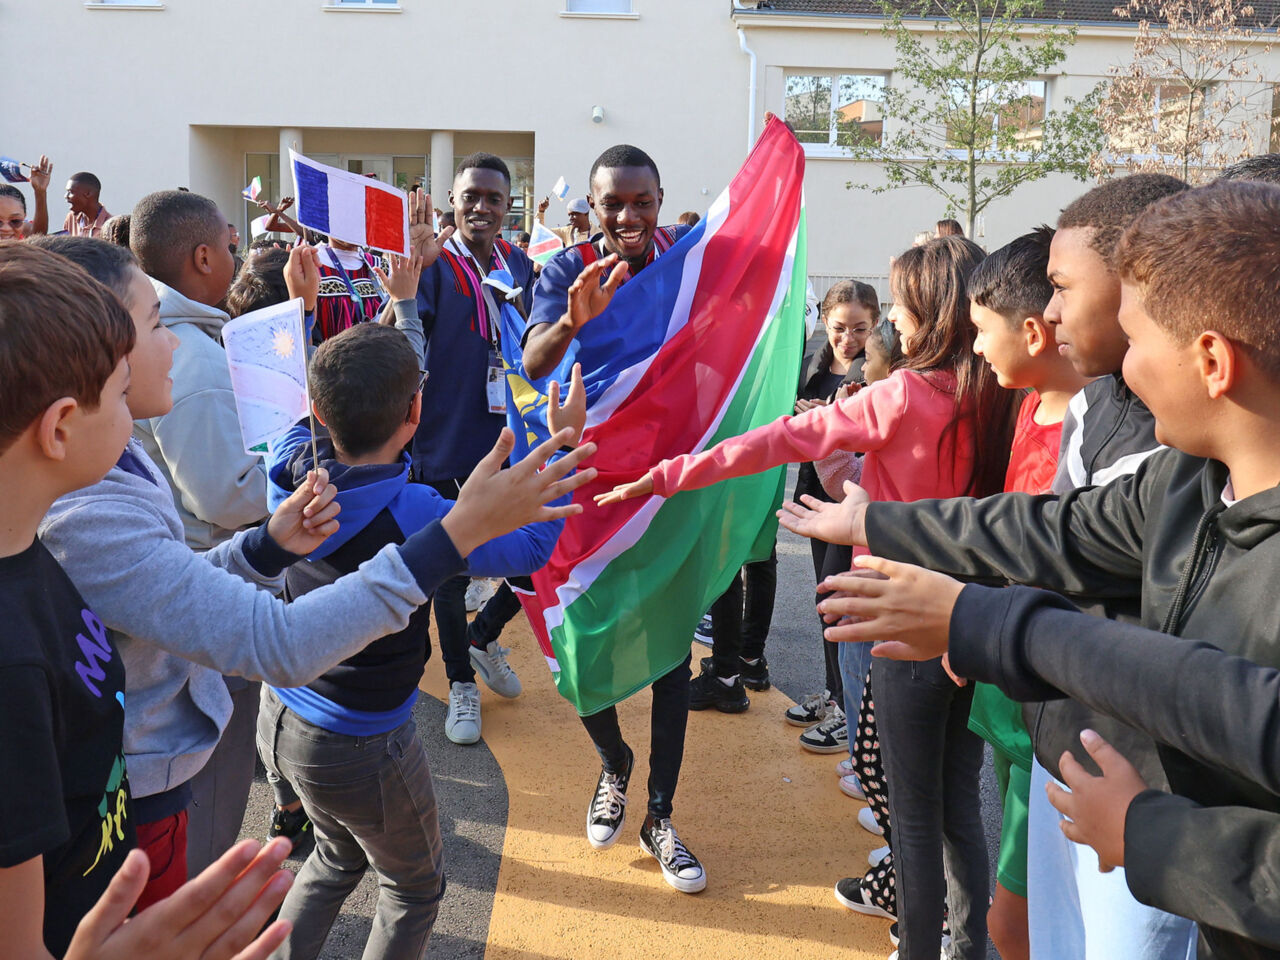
(575, 286)
(464, 410)
(87, 214)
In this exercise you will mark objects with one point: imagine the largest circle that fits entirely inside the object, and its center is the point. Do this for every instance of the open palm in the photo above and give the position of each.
(423, 239)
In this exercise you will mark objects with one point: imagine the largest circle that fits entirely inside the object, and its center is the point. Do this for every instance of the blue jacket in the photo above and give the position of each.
(374, 690)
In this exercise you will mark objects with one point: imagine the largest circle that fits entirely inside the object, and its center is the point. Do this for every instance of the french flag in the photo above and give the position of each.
(351, 207)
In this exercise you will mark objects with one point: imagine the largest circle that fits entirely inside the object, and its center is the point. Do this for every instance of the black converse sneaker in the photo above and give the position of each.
(608, 810)
(680, 868)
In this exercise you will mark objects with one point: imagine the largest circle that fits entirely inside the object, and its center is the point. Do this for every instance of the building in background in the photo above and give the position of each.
(150, 94)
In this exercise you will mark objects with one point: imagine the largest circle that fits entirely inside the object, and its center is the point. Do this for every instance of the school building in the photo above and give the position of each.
(164, 93)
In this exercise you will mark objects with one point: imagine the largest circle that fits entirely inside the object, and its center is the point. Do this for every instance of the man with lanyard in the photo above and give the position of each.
(575, 286)
(463, 411)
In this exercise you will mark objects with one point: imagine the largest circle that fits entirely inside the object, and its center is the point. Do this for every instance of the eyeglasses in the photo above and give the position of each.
(15, 224)
(418, 389)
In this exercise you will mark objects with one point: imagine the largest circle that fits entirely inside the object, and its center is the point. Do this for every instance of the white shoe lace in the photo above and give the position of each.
(497, 656)
(464, 701)
(833, 722)
(671, 849)
(609, 799)
(813, 702)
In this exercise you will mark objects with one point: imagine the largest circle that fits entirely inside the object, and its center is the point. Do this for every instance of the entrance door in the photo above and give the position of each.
(379, 166)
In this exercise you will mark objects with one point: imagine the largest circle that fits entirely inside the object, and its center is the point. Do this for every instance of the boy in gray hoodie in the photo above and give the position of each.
(182, 619)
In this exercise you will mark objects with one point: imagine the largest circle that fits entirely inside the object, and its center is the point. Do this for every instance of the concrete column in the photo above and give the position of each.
(441, 167)
(290, 138)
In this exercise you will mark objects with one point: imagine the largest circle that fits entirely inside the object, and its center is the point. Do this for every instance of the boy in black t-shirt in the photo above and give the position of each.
(66, 824)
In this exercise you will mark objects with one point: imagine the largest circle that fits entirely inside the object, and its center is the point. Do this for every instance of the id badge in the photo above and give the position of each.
(496, 386)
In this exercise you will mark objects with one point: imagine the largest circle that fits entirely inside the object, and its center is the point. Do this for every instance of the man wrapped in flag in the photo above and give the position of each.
(702, 342)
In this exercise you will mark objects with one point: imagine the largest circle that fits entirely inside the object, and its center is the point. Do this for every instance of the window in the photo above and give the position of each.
(835, 110)
(380, 6)
(1161, 119)
(406, 171)
(1010, 116)
(597, 6)
(126, 4)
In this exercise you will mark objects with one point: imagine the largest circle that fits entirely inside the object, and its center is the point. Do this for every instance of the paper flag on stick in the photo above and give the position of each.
(258, 225)
(350, 206)
(561, 189)
(11, 170)
(253, 190)
(543, 244)
(267, 354)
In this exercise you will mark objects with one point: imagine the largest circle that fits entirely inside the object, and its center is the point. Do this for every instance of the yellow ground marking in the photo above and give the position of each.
(765, 817)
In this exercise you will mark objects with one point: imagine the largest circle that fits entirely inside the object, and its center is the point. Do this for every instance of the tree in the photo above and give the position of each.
(1182, 105)
(966, 113)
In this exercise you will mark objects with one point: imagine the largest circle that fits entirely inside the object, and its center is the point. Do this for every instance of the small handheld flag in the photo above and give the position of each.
(267, 355)
(561, 189)
(258, 225)
(11, 170)
(543, 244)
(351, 207)
(253, 190)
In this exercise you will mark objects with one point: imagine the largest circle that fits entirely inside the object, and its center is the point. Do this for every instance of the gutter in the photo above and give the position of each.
(751, 89)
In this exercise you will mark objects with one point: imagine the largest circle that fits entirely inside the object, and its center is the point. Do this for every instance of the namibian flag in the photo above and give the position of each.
(253, 190)
(543, 244)
(703, 344)
(351, 207)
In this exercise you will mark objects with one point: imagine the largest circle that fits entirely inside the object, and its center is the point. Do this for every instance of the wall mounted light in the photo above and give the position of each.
(597, 114)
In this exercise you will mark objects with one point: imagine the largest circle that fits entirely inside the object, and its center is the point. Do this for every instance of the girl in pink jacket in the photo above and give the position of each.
(939, 426)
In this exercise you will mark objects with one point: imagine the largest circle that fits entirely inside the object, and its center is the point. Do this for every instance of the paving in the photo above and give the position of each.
(765, 817)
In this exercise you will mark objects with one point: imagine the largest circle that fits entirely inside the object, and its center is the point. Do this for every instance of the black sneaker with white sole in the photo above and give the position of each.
(702, 632)
(680, 868)
(856, 897)
(608, 810)
(754, 676)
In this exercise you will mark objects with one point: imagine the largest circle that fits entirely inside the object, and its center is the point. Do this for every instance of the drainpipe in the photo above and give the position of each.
(751, 95)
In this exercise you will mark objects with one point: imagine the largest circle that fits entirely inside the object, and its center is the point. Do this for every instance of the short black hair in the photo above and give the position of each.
(107, 263)
(1013, 281)
(88, 179)
(1265, 168)
(167, 225)
(1110, 208)
(13, 193)
(260, 282)
(624, 155)
(523, 237)
(362, 382)
(884, 337)
(116, 230)
(483, 161)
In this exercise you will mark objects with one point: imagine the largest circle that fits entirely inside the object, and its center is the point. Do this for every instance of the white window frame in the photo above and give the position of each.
(363, 6)
(586, 13)
(1120, 156)
(1017, 156)
(830, 149)
(124, 4)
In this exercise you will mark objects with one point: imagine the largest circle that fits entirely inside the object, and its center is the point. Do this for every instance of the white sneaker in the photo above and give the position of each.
(845, 767)
(850, 787)
(479, 591)
(876, 856)
(491, 664)
(462, 723)
(867, 821)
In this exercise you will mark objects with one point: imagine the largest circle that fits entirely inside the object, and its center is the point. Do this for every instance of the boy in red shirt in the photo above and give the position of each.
(1008, 293)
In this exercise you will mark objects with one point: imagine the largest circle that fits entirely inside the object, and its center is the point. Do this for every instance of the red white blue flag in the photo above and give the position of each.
(350, 207)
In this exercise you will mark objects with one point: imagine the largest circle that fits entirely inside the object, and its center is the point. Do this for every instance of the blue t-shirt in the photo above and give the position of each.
(552, 295)
(457, 429)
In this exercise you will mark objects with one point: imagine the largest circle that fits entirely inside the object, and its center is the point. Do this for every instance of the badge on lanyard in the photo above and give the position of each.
(496, 385)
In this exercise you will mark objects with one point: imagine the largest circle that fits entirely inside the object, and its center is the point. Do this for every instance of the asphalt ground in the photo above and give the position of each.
(472, 792)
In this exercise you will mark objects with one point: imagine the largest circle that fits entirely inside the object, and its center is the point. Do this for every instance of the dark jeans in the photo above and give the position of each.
(372, 804)
(667, 723)
(220, 791)
(498, 612)
(741, 617)
(835, 559)
(931, 762)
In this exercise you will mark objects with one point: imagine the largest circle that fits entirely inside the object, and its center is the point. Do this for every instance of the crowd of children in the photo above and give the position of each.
(1090, 409)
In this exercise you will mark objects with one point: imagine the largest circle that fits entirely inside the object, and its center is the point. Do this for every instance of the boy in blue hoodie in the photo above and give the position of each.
(347, 741)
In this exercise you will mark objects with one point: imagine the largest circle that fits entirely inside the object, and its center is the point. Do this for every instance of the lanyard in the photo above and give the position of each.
(346, 279)
(487, 309)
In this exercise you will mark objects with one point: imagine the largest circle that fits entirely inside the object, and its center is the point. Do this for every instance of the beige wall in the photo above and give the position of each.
(176, 96)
